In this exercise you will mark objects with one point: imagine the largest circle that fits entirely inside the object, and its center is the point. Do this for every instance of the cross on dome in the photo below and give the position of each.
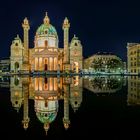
(46, 13)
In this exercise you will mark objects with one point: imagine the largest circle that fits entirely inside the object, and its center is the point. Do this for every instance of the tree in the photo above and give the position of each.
(97, 64)
(114, 64)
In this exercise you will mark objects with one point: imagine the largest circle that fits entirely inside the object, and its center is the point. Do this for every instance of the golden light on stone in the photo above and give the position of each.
(76, 94)
(46, 54)
(66, 126)
(133, 58)
(46, 101)
(46, 19)
(16, 93)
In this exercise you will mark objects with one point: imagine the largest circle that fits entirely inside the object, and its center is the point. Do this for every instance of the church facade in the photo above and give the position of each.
(46, 54)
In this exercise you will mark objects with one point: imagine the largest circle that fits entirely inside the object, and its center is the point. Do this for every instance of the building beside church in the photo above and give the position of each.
(46, 55)
(104, 62)
(133, 58)
(4, 65)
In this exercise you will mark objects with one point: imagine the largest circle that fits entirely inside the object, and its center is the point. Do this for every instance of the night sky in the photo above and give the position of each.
(100, 25)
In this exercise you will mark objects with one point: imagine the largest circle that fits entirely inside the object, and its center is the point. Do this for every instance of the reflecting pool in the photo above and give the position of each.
(65, 107)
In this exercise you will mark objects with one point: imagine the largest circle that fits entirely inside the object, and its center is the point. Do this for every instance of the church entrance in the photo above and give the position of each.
(16, 67)
(46, 67)
(46, 64)
(46, 43)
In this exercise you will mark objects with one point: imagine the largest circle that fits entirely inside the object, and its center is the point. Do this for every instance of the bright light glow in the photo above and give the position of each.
(40, 43)
(16, 93)
(51, 84)
(51, 42)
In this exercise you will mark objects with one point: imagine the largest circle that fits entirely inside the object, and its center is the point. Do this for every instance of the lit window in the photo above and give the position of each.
(46, 32)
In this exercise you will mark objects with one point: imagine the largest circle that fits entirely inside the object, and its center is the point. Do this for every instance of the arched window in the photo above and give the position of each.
(76, 44)
(16, 82)
(16, 44)
(76, 103)
(46, 105)
(16, 66)
(46, 43)
(46, 32)
(46, 61)
(46, 80)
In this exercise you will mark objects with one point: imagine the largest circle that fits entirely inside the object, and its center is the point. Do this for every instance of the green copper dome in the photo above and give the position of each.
(46, 117)
(46, 29)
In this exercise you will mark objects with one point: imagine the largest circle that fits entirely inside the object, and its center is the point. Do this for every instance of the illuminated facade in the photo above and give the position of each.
(104, 62)
(133, 55)
(46, 93)
(46, 54)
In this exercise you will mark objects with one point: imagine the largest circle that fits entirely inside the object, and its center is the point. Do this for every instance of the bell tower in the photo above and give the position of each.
(66, 62)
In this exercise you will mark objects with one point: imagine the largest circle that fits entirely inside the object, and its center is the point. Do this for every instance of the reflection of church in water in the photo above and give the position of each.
(46, 93)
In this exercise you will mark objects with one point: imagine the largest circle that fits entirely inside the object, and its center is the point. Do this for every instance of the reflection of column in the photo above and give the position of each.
(53, 63)
(25, 120)
(40, 83)
(66, 120)
(55, 84)
(51, 83)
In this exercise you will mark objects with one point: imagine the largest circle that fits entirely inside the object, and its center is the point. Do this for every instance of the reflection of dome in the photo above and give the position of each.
(47, 29)
(46, 110)
(46, 116)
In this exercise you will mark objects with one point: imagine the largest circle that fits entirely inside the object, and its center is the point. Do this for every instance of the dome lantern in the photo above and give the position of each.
(46, 19)
(46, 28)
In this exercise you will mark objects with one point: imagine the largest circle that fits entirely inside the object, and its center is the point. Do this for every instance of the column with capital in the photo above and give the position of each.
(66, 62)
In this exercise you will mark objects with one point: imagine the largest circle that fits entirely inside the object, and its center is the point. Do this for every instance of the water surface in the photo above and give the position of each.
(67, 107)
